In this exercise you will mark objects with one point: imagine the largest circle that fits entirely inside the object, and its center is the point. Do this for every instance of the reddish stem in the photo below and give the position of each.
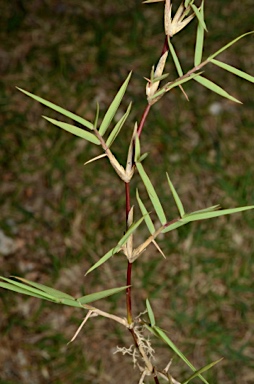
(128, 207)
(143, 119)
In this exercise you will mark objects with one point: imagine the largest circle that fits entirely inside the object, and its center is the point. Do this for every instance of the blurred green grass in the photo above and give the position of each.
(64, 216)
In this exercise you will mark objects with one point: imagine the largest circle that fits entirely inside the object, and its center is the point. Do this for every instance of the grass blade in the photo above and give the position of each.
(99, 295)
(209, 209)
(228, 45)
(126, 236)
(26, 289)
(74, 130)
(233, 70)
(209, 215)
(113, 135)
(117, 248)
(200, 37)
(51, 291)
(175, 58)
(146, 215)
(114, 107)
(21, 290)
(199, 14)
(59, 109)
(96, 116)
(152, 194)
(102, 260)
(201, 370)
(215, 88)
(176, 198)
(170, 343)
(150, 313)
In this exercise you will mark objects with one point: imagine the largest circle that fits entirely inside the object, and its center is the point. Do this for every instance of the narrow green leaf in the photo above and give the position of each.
(150, 313)
(209, 209)
(201, 370)
(115, 131)
(126, 236)
(23, 291)
(175, 58)
(118, 247)
(143, 157)
(95, 124)
(100, 295)
(229, 45)
(114, 107)
(170, 343)
(146, 215)
(71, 303)
(199, 14)
(233, 70)
(102, 260)
(176, 198)
(58, 109)
(51, 291)
(159, 78)
(74, 130)
(208, 215)
(200, 38)
(152, 194)
(30, 290)
(215, 88)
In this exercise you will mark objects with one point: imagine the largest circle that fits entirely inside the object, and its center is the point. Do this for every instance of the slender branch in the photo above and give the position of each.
(143, 119)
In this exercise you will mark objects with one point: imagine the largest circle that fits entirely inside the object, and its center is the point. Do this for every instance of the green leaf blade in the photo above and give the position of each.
(61, 110)
(152, 194)
(209, 215)
(200, 37)
(150, 313)
(118, 247)
(113, 135)
(175, 58)
(51, 291)
(114, 106)
(228, 45)
(146, 215)
(199, 14)
(233, 70)
(100, 295)
(170, 343)
(102, 260)
(26, 289)
(176, 198)
(215, 88)
(201, 370)
(74, 130)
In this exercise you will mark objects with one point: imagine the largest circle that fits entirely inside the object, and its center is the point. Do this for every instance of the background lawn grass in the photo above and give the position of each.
(63, 216)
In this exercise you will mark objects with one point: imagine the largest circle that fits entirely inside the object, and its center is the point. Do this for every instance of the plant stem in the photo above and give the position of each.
(143, 119)
(129, 267)
(128, 294)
